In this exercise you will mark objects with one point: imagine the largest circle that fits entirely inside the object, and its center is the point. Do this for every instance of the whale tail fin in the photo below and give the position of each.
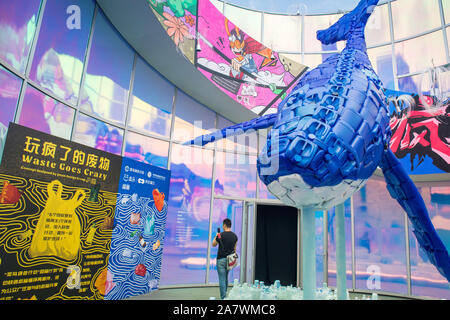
(344, 27)
(234, 130)
(402, 188)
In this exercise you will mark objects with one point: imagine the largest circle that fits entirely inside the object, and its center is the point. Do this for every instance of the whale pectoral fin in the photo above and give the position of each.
(263, 122)
(402, 189)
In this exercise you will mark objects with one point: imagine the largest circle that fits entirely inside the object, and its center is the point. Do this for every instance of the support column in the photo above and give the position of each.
(309, 253)
(341, 274)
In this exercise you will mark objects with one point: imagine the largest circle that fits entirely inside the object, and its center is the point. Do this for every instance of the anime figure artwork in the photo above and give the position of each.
(246, 70)
(243, 47)
(328, 137)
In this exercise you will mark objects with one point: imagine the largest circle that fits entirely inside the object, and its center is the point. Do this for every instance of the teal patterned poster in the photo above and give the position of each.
(134, 266)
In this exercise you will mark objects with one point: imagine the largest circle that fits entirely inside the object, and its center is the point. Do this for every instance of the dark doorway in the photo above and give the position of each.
(276, 244)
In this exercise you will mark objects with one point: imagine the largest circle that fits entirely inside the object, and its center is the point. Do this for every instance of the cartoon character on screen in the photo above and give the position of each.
(421, 129)
(327, 139)
(242, 48)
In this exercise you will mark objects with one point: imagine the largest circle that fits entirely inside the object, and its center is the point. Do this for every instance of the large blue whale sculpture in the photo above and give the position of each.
(332, 132)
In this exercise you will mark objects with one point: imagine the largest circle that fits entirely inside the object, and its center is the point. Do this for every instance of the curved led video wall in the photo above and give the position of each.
(80, 80)
(249, 72)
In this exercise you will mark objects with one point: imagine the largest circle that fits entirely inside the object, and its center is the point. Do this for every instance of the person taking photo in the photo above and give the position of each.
(227, 241)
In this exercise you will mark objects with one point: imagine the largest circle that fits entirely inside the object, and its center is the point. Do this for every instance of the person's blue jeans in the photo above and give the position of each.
(223, 276)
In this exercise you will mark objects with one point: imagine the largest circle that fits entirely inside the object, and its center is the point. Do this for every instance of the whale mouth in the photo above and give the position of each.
(293, 190)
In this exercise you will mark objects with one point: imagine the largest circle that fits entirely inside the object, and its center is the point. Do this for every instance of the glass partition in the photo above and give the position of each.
(10, 86)
(411, 84)
(247, 20)
(243, 143)
(420, 53)
(18, 21)
(282, 33)
(412, 17)
(146, 149)
(61, 47)
(225, 144)
(191, 118)
(377, 29)
(448, 35)
(151, 104)
(425, 279)
(381, 59)
(264, 193)
(235, 175)
(187, 225)
(446, 7)
(46, 114)
(380, 248)
(98, 134)
(105, 90)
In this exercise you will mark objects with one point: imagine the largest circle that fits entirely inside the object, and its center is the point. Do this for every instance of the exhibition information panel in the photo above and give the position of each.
(77, 222)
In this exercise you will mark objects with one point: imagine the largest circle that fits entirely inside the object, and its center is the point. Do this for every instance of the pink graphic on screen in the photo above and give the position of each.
(243, 68)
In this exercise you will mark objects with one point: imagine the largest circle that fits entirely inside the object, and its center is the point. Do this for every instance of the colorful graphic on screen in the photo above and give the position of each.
(179, 19)
(247, 71)
(134, 266)
(420, 127)
(187, 225)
